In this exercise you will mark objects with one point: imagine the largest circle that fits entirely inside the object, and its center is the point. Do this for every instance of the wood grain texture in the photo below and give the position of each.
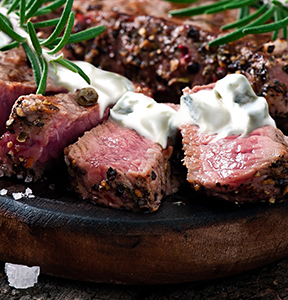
(198, 239)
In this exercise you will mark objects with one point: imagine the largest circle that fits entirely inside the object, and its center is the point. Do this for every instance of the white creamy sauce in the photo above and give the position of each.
(109, 86)
(147, 117)
(231, 108)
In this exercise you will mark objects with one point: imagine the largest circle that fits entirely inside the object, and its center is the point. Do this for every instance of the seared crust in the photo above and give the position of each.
(39, 129)
(16, 79)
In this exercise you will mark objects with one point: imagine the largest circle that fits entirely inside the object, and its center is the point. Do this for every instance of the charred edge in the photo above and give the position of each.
(153, 175)
(285, 69)
(111, 174)
(194, 34)
(119, 190)
(134, 194)
(22, 167)
(275, 87)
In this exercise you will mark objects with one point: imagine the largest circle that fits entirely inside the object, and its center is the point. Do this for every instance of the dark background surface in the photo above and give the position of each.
(268, 282)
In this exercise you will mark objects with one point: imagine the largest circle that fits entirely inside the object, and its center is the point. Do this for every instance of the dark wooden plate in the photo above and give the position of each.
(190, 237)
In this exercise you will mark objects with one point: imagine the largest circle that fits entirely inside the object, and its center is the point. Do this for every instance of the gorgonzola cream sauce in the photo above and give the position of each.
(231, 108)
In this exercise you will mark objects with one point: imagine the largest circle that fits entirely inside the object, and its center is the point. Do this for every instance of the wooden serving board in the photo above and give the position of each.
(190, 238)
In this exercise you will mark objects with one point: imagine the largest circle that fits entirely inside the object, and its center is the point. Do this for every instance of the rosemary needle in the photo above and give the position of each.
(66, 35)
(239, 33)
(243, 20)
(197, 10)
(61, 24)
(15, 22)
(9, 31)
(34, 39)
(267, 27)
(254, 23)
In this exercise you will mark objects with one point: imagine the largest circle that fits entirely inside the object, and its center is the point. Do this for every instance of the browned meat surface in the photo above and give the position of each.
(144, 44)
(168, 54)
(39, 129)
(157, 8)
(16, 79)
(238, 169)
(115, 167)
(144, 49)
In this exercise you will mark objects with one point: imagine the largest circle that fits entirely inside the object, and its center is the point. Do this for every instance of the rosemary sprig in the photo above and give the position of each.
(253, 16)
(15, 16)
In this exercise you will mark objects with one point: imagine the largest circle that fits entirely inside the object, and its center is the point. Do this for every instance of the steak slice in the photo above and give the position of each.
(238, 169)
(39, 129)
(115, 167)
(16, 79)
(144, 49)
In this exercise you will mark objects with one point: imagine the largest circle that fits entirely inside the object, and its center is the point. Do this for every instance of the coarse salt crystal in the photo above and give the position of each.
(28, 192)
(20, 276)
(17, 196)
(3, 192)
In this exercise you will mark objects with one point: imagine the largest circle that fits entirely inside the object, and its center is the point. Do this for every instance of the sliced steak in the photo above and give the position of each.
(115, 167)
(169, 54)
(238, 169)
(16, 79)
(39, 129)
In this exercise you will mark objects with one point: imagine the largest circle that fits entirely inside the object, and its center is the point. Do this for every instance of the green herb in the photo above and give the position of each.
(15, 21)
(253, 16)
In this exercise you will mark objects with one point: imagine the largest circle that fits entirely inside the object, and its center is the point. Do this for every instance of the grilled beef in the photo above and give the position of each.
(144, 49)
(166, 53)
(169, 54)
(238, 169)
(16, 79)
(39, 129)
(115, 167)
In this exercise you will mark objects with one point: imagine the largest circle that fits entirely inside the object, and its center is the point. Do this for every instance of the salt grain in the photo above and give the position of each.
(17, 196)
(28, 192)
(20, 276)
(3, 192)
